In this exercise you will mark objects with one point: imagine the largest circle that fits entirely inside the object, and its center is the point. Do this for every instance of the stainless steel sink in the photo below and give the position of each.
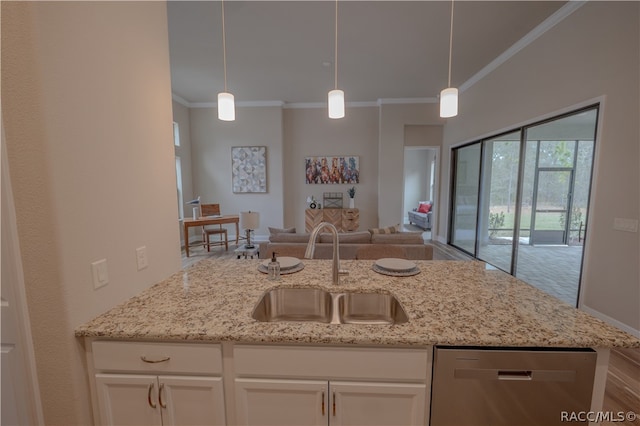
(310, 304)
(370, 308)
(294, 304)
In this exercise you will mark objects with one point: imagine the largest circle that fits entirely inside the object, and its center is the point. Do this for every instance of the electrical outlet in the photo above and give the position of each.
(100, 273)
(141, 256)
(627, 225)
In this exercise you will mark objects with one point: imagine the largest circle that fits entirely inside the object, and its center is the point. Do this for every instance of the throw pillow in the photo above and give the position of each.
(424, 208)
(387, 230)
(273, 231)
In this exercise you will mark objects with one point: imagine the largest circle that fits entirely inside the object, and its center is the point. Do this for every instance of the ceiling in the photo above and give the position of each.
(284, 50)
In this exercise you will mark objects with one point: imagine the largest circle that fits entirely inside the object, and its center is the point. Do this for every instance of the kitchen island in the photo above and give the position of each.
(210, 305)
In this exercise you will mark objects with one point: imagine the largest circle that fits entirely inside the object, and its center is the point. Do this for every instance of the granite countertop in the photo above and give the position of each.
(448, 303)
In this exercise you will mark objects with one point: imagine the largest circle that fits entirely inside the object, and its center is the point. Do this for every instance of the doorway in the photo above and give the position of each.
(520, 200)
(420, 185)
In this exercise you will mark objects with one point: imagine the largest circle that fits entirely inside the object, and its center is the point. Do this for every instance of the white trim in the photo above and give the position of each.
(309, 105)
(399, 101)
(180, 100)
(242, 104)
(546, 25)
(612, 321)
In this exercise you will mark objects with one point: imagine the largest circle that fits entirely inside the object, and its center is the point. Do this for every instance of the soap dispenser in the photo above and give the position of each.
(274, 268)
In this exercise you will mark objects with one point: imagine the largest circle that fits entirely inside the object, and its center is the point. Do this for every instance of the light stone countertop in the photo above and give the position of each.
(448, 303)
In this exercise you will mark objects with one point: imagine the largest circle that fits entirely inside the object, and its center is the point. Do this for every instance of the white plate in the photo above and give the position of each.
(285, 262)
(394, 264)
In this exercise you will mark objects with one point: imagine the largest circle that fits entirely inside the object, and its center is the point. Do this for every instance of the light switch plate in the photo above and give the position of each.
(141, 257)
(627, 225)
(100, 273)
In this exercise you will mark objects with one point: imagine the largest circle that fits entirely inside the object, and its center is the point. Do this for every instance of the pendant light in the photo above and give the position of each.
(449, 96)
(226, 104)
(336, 96)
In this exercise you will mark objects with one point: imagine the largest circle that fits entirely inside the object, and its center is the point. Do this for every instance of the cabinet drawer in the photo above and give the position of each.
(157, 357)
(322, 362)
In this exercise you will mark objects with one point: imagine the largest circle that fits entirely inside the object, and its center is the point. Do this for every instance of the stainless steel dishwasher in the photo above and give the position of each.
(478, 386)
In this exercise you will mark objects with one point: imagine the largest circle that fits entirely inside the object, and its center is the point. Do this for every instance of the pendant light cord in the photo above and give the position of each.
(224, 48)
(450, 43)
(336, 50)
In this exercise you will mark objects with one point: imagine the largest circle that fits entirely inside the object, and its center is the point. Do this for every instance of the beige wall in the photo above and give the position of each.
(309, 132)
(393, 121)
(86, 106)
(592, 53)
(211, 142)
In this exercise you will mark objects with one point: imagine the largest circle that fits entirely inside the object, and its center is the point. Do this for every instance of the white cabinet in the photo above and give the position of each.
(329, 386)
(158, 384)
(363, 403)
(310, 402)
(131, 399)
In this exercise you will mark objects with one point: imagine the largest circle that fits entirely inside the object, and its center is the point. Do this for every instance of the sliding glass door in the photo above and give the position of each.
(465, 197)
(520, 200)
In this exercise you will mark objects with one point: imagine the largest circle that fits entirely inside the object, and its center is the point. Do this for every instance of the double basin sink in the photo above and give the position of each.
(311, 304)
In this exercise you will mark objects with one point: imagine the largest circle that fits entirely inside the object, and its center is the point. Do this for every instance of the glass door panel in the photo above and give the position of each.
(465, 197)
(500, 163)
(552, 199)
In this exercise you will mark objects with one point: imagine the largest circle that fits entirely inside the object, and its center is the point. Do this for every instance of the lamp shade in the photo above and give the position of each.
(449, 102)
(226, 107)
(336, 103)
(250, 220)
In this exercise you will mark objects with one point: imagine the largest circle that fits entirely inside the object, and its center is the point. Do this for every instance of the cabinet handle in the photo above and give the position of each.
(162, 404)
(334, 404)
(154, 361)
(323, 403)
(149, 401)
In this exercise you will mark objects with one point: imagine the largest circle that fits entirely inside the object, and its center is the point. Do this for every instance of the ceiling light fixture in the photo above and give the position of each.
(449, 96)
(336, 96)
(226, 104)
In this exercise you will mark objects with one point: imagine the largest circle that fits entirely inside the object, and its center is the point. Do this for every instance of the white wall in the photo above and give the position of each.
(309, 132)
(87, 112)
(592, 53)
(211, 142)
(417, 176)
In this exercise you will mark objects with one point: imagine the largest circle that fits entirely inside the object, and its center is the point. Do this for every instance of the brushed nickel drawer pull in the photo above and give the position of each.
(334, 404)
(149, 401)
(162, 404)
(154, 361)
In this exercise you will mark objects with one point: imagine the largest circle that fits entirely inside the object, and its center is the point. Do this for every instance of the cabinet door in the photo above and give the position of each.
(128, 399)
(361, 403)
(191, 400)
(281, 402)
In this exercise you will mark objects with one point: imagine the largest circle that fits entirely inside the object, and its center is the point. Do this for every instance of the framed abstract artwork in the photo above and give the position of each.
(249, 169)
(331, 170)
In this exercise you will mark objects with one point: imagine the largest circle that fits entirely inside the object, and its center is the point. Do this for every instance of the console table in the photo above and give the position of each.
(345, 220)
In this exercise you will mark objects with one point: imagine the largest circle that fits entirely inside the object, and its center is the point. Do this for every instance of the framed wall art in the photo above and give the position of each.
(249, 169)
(331, 170)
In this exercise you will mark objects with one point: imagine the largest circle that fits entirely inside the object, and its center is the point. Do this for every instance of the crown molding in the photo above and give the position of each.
(399, 101)
(557, 17)
(310, 105)
(180, 100)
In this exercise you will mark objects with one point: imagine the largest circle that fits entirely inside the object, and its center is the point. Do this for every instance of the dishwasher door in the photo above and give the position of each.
(510, 386)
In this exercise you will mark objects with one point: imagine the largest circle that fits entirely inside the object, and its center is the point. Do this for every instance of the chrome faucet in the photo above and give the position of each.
(311, 247)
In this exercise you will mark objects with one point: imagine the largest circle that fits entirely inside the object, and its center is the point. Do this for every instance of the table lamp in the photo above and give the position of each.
(249, 221)
(196, 207)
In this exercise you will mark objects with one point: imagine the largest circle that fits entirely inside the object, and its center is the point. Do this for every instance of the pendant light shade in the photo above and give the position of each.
(336, 103)
(449, 102)
(226, 107)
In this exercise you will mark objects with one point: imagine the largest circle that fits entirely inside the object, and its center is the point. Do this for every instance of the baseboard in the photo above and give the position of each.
(611, 321)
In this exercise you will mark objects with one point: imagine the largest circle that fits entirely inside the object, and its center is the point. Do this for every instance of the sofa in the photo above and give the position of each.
(384, 242)
(421, 215)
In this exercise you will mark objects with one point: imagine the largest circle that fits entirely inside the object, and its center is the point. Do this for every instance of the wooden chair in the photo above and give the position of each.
(213, 210)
